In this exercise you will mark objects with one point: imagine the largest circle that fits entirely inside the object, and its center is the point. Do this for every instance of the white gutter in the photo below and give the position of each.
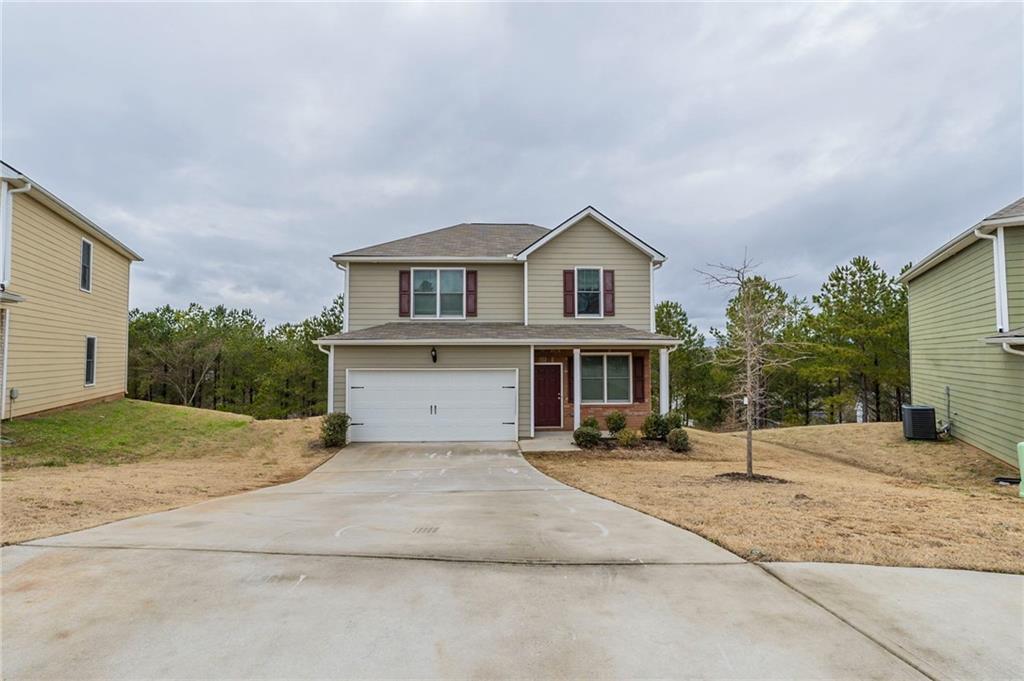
(541, 342)
(999, 267)
(1012, 350)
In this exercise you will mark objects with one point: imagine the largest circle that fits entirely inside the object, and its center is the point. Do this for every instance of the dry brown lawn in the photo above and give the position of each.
(45, 500)
(857, 493)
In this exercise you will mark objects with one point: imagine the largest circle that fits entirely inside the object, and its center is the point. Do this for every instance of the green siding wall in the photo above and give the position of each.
(952, 307)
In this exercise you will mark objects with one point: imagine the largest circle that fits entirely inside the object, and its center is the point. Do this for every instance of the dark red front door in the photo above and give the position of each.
(547, 395)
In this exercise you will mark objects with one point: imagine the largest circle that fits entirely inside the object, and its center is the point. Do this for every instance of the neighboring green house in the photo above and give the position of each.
(966, 305)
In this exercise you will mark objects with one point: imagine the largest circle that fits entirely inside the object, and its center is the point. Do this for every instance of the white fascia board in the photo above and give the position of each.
(545, 342)
(591, 212)
(345, 259)
(957, 244)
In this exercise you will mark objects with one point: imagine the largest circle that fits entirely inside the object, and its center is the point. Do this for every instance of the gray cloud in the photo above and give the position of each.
(237, 146)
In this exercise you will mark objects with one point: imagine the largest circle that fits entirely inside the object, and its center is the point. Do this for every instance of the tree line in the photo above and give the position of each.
(220, 358)
(820, 360)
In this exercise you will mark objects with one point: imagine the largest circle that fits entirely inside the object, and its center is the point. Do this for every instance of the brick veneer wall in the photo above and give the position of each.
(635, 412)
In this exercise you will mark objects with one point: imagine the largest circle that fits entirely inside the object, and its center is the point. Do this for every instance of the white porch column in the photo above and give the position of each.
(663, 400)
(576, 365)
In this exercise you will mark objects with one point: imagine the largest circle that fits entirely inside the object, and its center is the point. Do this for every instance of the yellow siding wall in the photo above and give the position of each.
(46, 355)
(448, 356)
(373, 288)
(952, 307)
(590, 243)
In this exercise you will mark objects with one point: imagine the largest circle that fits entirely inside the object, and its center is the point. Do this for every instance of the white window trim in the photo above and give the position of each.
(604, 382)
(92, 249)
(95, 359)
(437, 293)
(600, 292)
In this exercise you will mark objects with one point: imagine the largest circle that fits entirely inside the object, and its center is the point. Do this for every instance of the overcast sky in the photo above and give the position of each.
(237, 146)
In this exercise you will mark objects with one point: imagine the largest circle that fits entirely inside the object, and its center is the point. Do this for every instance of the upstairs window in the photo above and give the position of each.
(588, 292)
(85, 278)
(439, 293)
(90, 360)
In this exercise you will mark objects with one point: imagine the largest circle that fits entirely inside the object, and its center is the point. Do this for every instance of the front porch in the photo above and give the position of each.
(572, 384)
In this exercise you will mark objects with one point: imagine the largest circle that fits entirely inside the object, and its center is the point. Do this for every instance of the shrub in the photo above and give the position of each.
(615, 421)
(655, 427)
(586, 437)
(334, 429)
(628, 438)
(678, 440)
(673, 420)
(590, 422)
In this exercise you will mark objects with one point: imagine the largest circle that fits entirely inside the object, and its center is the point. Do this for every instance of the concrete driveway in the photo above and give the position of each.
(414, 560)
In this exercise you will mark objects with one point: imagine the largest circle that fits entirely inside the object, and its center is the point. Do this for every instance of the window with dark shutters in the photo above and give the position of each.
(470, 293)
(568, 293)
(638, 379)
(403, 292)
(609, 293)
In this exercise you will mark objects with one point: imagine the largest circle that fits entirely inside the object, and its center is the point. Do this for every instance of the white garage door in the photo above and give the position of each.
(432, 405)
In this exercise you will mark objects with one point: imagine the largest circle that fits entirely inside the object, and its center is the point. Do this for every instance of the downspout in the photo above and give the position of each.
(6, 221)
(344, 310)
(999, 269)
(330, 376)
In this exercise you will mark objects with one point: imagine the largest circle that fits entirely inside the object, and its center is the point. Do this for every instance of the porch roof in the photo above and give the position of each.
(497, 333)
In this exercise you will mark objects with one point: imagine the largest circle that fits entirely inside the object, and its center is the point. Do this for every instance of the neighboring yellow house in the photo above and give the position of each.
(63, 303)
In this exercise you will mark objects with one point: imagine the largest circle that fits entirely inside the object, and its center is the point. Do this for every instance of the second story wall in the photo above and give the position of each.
(1014, 238)
(590, 244)
(46, 355)
(373, 292)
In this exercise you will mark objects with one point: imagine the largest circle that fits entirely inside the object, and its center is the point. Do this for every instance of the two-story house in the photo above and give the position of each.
(63, 303)
(485, 331)
(966, 307)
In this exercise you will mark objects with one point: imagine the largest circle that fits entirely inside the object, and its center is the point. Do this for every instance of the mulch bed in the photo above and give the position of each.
(757, 477)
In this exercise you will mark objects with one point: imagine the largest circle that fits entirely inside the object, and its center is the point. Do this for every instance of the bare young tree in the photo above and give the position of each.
(753, 343)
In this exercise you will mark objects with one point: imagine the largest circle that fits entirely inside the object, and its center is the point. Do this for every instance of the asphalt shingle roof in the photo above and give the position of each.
(1014, 210)
(459, 330)
(465, 240)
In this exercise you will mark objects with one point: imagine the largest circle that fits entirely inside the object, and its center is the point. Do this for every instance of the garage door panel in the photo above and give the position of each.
(396, 405)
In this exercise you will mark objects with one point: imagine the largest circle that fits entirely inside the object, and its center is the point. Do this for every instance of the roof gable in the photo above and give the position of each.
(602, 219)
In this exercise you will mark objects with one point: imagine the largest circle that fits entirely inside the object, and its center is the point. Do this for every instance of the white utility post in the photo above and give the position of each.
(663, 402)
(576, 397)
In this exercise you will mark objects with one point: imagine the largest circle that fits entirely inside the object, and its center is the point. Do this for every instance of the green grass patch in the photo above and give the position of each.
(117, 432)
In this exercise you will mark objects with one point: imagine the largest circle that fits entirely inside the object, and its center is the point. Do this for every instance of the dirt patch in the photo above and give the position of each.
(832, 510)
(43, 501)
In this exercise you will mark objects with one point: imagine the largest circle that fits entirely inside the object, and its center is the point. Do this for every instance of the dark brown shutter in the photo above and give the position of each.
(404, 279)
(609, 293)
(638, 379)
(572, 383)
(568, 293)
(470, 293)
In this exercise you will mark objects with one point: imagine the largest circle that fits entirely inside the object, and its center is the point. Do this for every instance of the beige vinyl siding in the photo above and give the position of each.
(373, 289)
(588, 243)
(46, 356)
(448, 356)
(1013, 238)
(952, 307)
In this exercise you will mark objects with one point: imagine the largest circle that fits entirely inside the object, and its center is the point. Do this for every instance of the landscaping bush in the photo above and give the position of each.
(586, 437)
(678, 440)
(628, 438)
(615, 421)
(590, 422)
(655, 427)
(334, 429)
(673, 420)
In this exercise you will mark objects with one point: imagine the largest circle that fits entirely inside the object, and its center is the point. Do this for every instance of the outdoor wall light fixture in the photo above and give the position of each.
(433, 355)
